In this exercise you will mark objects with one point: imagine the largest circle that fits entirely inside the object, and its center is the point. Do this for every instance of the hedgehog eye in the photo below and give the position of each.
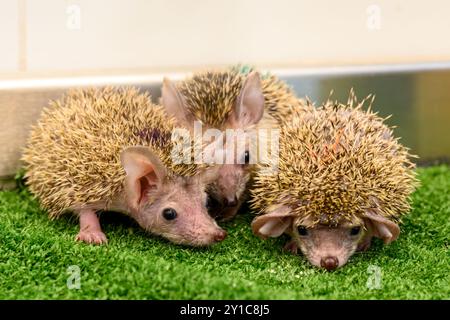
(247, 157)
(355, 231)
(302, 230)
(209, 203)
(169, 214)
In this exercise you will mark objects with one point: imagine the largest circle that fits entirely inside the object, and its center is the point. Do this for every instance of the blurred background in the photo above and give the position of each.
(397, 49)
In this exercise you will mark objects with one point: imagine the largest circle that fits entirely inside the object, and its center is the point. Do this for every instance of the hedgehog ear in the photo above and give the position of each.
(381, 227)
(144, 171)
(272, 224)
(173, 103)
(249, 107)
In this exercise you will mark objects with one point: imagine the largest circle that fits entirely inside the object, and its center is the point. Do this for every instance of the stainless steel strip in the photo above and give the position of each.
(417, 96)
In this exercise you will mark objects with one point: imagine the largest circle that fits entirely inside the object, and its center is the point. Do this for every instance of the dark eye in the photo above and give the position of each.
(302, 230)
(355, 231)
(247, 157)
(210, 202)
(169, 214)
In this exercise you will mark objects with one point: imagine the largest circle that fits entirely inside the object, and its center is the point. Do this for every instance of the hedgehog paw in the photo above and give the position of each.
(365, 245)
(291, 247)
(228, 214)
(92, 237)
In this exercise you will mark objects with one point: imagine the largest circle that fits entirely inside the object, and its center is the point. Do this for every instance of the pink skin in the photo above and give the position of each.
(172, 207)
(192, 226)
(324, 246)
(227, 190)
(90, 230)
(291, 246)
(327, 247)
(231, 176)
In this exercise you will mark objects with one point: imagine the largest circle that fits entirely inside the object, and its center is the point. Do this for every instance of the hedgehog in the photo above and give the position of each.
(280, 100)
(109, 149)
(342, 179)
(230, 99)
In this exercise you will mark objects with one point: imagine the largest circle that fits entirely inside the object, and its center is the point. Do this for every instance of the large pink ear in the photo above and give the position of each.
(143, 170)
(381, 227)
(175, 106)
(249, 107)
(272, 224)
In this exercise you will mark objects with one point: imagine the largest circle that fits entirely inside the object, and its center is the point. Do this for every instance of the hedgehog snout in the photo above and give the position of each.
(220, 235)
(330, 263)
(328, 247)
(231, 184)
(231, 201)
(197, 234)
(207, 238)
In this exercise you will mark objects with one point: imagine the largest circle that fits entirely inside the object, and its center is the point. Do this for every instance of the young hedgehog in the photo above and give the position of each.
(342, 179)
(108, 149)
(224, 100)
(280, 101)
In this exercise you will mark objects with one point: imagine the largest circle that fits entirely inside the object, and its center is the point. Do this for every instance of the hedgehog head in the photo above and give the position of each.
(340, 169)
(230, 103)
(172, 206)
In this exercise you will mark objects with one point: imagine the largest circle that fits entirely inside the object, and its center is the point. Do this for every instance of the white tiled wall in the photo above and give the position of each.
(9, 30)
(76, 35)
(131, 34)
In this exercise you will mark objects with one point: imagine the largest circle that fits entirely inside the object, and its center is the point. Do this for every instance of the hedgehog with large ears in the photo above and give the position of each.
(342, 179)
(110, 149)
(229, 99)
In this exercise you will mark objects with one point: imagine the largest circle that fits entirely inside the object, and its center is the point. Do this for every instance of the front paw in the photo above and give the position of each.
(228, 213)
(364, 245)
(291, 247)
(92, 237)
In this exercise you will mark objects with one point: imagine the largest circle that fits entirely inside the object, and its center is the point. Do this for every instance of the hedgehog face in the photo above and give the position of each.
(325, 246)
(171, 206)
(177, 211)
(225, 101)
(231, 183)
(228, 188)
(328, 247)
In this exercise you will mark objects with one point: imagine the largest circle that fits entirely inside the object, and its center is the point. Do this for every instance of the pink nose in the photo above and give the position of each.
(231, 202)
(220, 235)
(329, 263)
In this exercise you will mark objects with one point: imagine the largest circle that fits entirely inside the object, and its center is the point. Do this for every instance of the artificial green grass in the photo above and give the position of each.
(35, 254)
